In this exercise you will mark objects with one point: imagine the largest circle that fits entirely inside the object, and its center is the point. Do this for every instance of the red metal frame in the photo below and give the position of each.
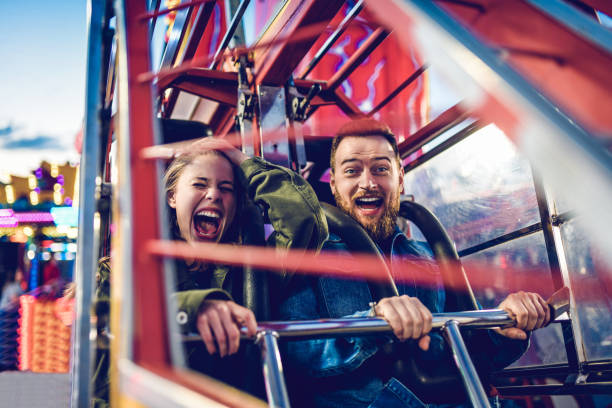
(357, 58)
(149, 324)
(521, 31)
(146, 17)
(276, 57)
(445, 120)
(275, 64)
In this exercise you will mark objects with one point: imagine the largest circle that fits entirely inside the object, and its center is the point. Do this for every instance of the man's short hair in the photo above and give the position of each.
(362, 128)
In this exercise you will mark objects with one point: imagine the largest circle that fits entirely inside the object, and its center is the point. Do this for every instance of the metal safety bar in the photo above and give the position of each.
(448, 323)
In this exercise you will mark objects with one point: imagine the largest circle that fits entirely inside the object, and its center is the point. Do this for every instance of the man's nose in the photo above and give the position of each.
(367, 181)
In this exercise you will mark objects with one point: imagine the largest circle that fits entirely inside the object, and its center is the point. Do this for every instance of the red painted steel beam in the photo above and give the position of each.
(328, 263)
(275, 63)
(346, 105)
(357, 58)
(218, 86)
(222, 121)
(209, 387)
(150, 331)
(397, 90)
(445, 120)
(199, 25)
(158, 13)
(576, 74)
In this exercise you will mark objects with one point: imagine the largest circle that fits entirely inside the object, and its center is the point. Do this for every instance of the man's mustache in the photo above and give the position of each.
(367, 193)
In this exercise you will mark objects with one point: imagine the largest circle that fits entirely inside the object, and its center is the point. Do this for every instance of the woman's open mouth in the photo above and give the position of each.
(207, 224)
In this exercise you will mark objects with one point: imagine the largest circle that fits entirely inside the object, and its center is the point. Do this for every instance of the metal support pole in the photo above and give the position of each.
(470, 378)
(333, 38)
(87, 242)
(236, 19)
(276, 389)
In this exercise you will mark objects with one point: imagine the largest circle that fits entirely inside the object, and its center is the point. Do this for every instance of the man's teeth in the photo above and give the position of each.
(369, 199)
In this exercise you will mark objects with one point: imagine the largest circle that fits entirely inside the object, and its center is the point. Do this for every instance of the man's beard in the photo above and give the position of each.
(377, 230)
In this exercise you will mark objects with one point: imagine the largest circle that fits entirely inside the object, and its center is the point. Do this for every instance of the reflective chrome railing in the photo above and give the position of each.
(268, 334)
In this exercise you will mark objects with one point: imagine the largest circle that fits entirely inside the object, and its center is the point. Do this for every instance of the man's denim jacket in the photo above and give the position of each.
(341, 372)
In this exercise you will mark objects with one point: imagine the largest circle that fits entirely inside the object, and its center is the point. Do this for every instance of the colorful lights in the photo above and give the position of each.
(28, 231)
(34, 217)
(57, 197)
(6, 212)
(32, 182)
(10, 194)
(33, 197)
(65, 216)
(54, 170)
(8, 222)
(11, 219)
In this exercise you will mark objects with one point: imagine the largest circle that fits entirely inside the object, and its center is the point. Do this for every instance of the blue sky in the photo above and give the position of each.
(42, 80)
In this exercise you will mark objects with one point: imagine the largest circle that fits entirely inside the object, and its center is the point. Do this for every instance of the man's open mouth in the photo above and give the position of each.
(369, 203)
(207, 224)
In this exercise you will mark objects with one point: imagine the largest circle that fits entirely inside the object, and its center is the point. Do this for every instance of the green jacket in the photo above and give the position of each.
(292, 208)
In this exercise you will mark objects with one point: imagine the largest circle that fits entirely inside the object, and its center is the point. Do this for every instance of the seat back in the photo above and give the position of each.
(459, 294)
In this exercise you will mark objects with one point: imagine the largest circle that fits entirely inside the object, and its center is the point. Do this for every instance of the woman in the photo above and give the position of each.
(211, 188)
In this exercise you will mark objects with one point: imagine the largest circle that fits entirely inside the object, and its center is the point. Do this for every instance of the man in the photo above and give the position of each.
(367, 180)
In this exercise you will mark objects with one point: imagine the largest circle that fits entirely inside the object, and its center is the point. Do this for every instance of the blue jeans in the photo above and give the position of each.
(396, 395)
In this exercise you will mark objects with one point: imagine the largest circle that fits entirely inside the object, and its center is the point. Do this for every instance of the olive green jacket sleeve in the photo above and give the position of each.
(290, 202)
(188, 303)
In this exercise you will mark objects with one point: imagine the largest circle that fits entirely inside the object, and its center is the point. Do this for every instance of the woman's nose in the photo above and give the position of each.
(213, 194)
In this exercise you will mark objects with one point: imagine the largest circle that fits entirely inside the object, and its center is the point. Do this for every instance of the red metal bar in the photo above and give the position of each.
(397, 90)
(218, 86)
(222, 120)
(198, 29)
(508, 25)
(202, 18)
(357, 58)
(149, 325)
(351, 266)
(209, 387)
(275, 64)
(346, 105)
(445, 120)
(305, 33)
(155, 14)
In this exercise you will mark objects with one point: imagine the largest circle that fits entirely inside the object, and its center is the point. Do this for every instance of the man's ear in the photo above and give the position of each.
(171, 199)
(332, 181)
(401, 179)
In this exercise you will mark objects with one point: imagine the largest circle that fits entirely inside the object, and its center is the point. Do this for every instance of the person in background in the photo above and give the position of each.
(51, 272)
(12, 289)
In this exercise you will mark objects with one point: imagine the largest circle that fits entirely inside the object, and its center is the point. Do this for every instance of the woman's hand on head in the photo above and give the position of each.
(210, 143)
(219, 323)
